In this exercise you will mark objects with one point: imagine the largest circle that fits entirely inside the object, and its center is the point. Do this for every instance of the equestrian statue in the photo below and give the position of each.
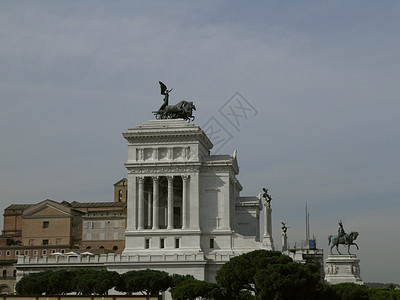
(343, 238)
(181, 110)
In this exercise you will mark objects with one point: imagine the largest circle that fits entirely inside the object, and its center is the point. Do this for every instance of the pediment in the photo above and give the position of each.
(48, 208)
(122, 182)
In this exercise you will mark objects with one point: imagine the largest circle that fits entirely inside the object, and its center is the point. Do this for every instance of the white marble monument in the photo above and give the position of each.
(185, 214)
(183, 203)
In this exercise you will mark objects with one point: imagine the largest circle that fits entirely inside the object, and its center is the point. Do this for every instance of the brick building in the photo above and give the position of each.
(48, 227)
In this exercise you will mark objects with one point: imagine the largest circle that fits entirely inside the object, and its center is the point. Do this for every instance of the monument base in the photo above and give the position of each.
(268, 243)
(342, 268)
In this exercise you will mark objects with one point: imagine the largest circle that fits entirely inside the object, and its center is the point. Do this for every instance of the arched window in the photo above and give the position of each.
(16, 252)
(4, 273)
(15, 273)
(120, 196)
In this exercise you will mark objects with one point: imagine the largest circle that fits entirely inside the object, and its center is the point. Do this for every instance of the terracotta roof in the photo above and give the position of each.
(19, 206)
(98, 204)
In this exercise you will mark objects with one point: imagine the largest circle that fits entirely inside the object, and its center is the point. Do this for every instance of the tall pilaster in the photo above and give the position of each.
(194, 211)
(132, 204)
(156, 209)
(268, 242)
(141, 204)
(185, 179)
(149, 210)
(170, 202)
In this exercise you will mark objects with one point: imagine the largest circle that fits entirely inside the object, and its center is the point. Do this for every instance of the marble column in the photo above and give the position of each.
(141, 204)
(185, 179)
(149, 211)
(156, 210)
(170, 202)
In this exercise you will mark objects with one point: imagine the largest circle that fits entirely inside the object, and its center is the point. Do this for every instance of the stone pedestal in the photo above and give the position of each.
(284, 242)
(268, 242)
(342, 268)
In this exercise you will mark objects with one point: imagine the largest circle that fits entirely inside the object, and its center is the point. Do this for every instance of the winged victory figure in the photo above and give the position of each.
(165, 92)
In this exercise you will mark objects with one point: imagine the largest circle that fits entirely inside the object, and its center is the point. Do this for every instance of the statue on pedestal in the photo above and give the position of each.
(284, 236)
(342, 268)
(343, 238)
(181, 110)
(284, 228)
(268, 242)
(267, 197)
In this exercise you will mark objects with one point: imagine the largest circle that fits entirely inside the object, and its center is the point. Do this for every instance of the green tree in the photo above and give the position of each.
(286, 281)
(383, 294)
(106, 280)
(87, 281)
(148, 282)
(34, 284)
(60, 282)
(351, 291)
(268, 275)
(189, 288)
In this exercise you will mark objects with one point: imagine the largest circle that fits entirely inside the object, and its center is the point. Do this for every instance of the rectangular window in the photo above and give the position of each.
(46, 224)
(116, 235)
(211, 243)
(115, 224)
(147, 243)
(45, 242)
(88, 236)
(102, 224)
(89, 224)
(162, 243)
(31, 242)
(177, 242)
(102, 235)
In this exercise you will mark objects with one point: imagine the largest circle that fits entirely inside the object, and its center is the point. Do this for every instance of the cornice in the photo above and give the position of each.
(162, 169)
(166, 131)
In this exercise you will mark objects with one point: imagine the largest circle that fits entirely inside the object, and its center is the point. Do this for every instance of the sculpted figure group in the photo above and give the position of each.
(183, 109)
(343, 238)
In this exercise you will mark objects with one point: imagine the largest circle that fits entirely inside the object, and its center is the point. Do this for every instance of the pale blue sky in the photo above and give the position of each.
(323, 77)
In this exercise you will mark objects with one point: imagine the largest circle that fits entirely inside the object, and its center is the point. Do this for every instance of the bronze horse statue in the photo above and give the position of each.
(347, 239)
(182, 109)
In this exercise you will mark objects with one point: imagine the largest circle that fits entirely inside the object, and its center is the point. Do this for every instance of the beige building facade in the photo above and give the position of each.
(40, 230)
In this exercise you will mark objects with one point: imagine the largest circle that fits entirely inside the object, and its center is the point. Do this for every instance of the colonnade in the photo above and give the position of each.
(161, 202)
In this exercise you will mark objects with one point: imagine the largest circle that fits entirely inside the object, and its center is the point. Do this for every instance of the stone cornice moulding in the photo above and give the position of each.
(162, 170)
(162, 232)
(167, 130)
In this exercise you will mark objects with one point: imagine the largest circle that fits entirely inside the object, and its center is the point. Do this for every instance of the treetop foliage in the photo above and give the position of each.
(259, 274)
